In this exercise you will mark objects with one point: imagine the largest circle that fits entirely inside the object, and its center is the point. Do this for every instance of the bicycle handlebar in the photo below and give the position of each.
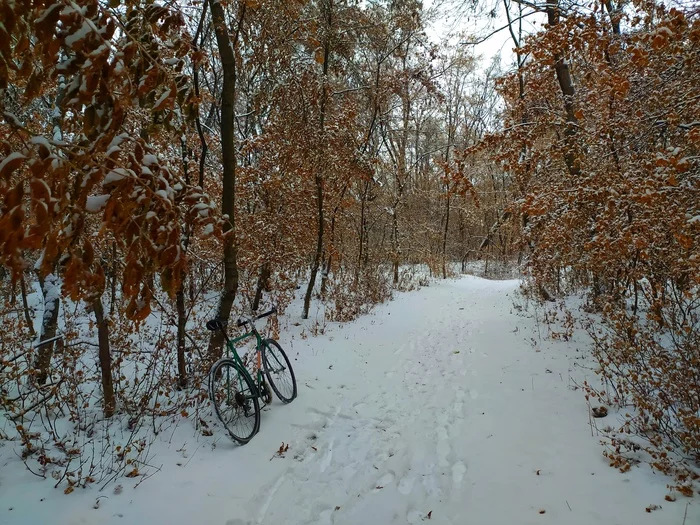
(267, 314)
(218, 324)
(243, 322)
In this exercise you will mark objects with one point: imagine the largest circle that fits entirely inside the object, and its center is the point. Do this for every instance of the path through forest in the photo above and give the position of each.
(442, 406)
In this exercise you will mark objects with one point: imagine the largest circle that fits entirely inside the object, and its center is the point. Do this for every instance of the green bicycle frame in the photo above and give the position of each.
(231, 350)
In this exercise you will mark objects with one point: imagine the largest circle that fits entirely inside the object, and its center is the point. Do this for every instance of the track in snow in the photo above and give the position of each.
(382, 455)
(455, 418)
(435, 408)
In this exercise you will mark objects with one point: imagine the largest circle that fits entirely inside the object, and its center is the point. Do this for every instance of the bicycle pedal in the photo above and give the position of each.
(266, 394)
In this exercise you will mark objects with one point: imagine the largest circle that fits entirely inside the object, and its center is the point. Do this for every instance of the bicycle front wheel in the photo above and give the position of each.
(278, 371)
(235, 400)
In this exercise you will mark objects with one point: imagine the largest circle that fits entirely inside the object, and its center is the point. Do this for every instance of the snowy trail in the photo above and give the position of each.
(448, 419)
(435, 408)
(395, 442)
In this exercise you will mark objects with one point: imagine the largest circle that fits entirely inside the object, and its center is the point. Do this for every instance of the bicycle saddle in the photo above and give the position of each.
(215, 324)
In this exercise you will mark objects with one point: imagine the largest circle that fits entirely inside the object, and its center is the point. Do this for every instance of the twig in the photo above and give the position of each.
(193, 453)
(495, 31)
(144, 478)
(147, 464)
(685, 515)
(41, 401)
(65, 472)
(50, 340)
(43, 476)
(81, 342)
(567, 504)
(15, 358)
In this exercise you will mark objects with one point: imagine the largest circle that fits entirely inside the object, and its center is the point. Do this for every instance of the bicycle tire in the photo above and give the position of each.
(279, 371)
(235, 399)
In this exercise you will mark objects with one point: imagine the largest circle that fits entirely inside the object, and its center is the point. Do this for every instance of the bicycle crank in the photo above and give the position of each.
(266, 393)
(240, 399)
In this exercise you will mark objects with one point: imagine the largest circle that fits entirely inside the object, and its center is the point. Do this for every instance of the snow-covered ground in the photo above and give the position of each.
(441, 406)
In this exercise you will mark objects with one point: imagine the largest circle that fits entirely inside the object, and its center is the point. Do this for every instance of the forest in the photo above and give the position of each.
(165, 163)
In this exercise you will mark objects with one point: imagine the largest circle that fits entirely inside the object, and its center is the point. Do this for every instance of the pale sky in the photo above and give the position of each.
(452, 19)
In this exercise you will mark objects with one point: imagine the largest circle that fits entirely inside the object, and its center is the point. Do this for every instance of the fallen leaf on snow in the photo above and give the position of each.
(599, 411)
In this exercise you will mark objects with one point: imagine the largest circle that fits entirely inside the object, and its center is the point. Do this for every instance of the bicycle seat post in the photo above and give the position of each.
(223, 331)
(252, 325)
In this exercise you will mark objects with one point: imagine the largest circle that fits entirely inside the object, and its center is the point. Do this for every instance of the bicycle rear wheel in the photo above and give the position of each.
(278, 371)
(235, 400)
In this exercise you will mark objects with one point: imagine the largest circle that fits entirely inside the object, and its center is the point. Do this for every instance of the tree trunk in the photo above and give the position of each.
(113, 279)
(195, 82)
(444, 236)
(49, 323)
(25, 305)
(319, 248)
(228, 181)
(105, 358)
(325, 271)
(395, 245)
(263, 285)
(566, 85)
(181, 322)
(326, 266)
(363, 256)
(615, 16)
(50, 288)
(318, 179)
(328, 263)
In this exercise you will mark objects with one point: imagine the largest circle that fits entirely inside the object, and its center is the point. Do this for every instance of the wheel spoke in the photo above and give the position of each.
(234, 401)
(279, 371)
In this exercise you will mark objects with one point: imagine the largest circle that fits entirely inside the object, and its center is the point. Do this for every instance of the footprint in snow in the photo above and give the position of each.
(406, 485)
(325, 517)
(443, 446)
(325, 463)
(385, 480)
(458, 471)
(415, 516)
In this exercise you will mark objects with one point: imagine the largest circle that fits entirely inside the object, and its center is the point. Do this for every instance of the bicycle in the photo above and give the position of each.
(233, 390)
